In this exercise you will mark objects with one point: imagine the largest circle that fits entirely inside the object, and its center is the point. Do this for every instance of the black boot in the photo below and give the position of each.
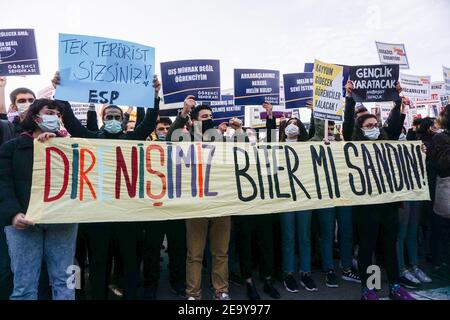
(270, 289)
(252, 293)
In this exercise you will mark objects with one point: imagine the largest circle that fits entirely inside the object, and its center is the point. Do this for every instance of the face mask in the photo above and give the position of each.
(161, 136)
(331, 138)
(291, 131)
(372, 134)
(402, 137)
(23, 107)
(207, 124)
(113, 126)
(49, 123)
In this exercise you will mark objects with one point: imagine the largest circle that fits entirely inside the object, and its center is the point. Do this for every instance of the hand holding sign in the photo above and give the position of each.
(188, 104)
(156, 85)
(56, 79)
(19, 222)
(235, 123)
(268, 108)
(349, 88)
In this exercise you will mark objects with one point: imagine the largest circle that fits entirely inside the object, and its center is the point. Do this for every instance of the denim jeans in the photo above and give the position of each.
(27, 249)
(327, 225)
(345, 234)
(407, 234)
(292, 223)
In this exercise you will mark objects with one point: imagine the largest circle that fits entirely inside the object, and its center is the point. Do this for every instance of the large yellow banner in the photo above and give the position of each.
(79, 180)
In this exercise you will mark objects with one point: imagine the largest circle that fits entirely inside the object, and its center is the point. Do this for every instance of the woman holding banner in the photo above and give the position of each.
(30, 244)
(295, 223)
(378, 219)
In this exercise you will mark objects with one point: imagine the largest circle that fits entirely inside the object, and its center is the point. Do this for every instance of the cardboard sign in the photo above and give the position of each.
(256, 86)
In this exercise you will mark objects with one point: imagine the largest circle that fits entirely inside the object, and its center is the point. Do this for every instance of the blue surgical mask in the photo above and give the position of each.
(113, 126)
(49, 123)
(372, 134)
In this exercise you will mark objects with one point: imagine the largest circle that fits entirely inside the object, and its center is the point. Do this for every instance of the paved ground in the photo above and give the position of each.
(439, 289)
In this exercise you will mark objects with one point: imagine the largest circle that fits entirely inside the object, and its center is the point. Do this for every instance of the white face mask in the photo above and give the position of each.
(50, 123)
(291, 131)
(113, 126)
(372, 134)
(402, 137)
(23, 107)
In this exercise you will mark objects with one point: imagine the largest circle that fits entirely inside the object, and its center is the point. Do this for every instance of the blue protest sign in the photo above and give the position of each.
(298, 89)
(102, 70)
(18, 55)
(200, 78)
(309, 67)
(255, 86)
(225, 109)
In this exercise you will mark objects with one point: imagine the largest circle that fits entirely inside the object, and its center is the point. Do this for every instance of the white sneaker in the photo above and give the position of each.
(410, 276)
(222, 296)
(420, 275)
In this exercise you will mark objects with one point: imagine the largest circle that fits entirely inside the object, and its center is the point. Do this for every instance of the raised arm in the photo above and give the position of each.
(349, 113)
(92, 121)
(3, 111)
(271, 123)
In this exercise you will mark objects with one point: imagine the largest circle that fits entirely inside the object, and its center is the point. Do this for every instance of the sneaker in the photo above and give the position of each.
(307, 282)
(397, 292)
(331, 279)
(270, 289)
(116, 290)
(178, 289)
(221, 296)
(350, 275)
(290, 284)
(252, 293)
(369, 294)
(420, 275)
(408, 280)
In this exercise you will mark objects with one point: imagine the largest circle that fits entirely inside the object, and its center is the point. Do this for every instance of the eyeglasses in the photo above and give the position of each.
(30, 100)
(110, 117)
(371, 125)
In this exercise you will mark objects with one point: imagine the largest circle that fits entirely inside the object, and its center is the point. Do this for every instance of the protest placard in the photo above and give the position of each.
(102, 70)
(225, 109)
(374, 83)
(256, 86)
(418, 87)
(18, 54)
(328, 101)
(438, 92)
(390, 53)
(298, 89)
(446, 73)
(200, 78)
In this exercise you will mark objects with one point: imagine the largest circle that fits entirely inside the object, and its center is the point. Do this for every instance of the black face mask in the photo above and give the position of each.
(207, 124)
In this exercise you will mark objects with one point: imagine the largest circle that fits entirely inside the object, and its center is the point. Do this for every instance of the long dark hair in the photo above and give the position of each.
(302, 135)
(28, 123)
(444, 118)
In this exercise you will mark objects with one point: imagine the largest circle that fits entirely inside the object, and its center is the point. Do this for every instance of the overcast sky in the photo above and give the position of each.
(281, 35)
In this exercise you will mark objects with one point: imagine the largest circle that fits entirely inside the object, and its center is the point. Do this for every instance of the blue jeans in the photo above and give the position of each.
(54, 243)
(291, 223)
(407, 234)
(345, 234)
(327, 225)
